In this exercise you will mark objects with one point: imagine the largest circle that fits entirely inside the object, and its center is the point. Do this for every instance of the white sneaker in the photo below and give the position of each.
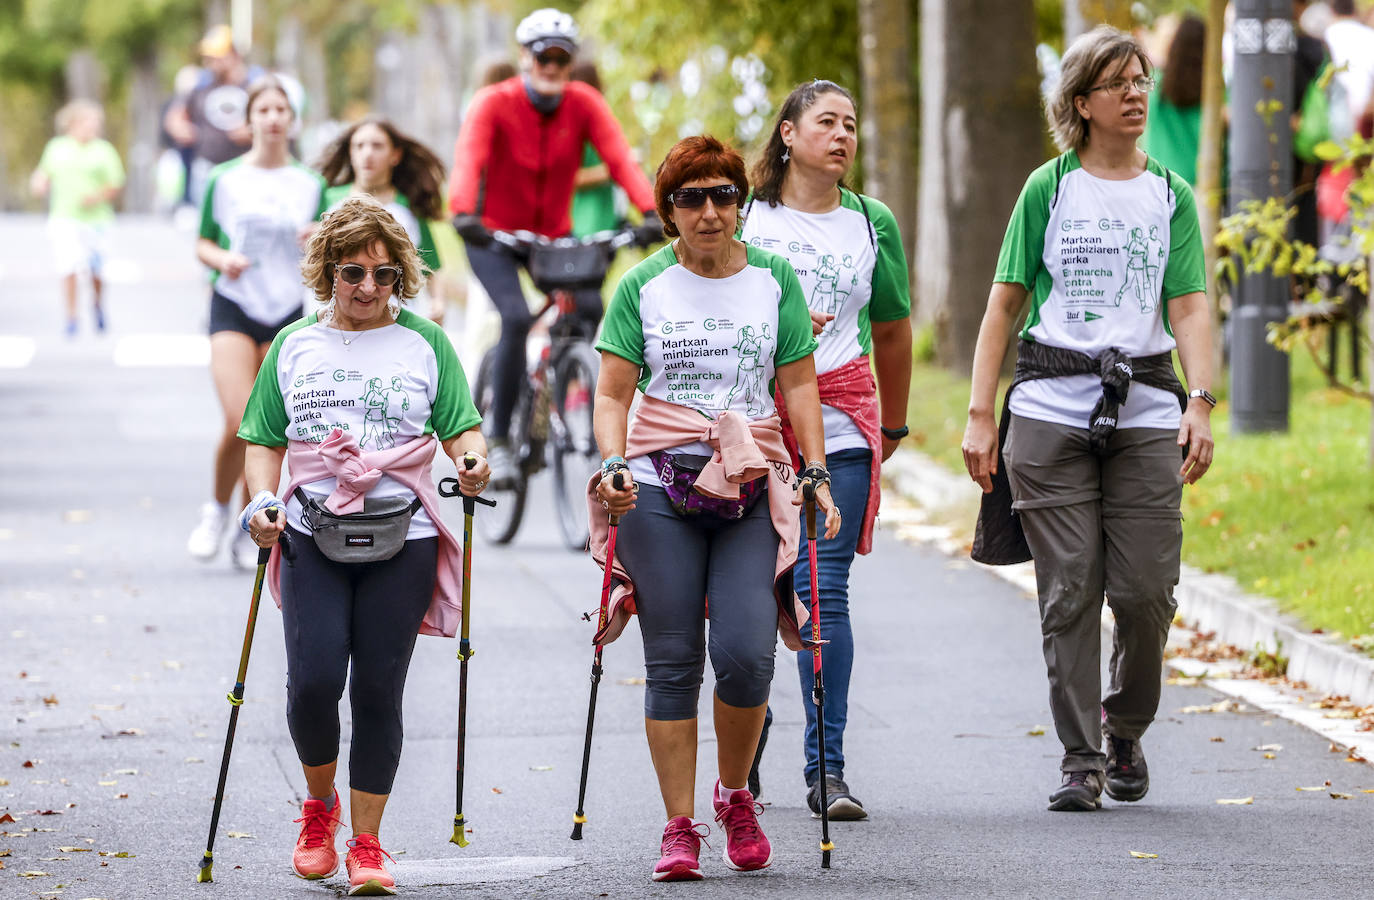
(242, 551)
(204, 541)
(502, 463)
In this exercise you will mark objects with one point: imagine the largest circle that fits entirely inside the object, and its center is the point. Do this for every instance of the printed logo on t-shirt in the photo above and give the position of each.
(835, 281)
(384, 405)
(1091, 267)
(751, 385)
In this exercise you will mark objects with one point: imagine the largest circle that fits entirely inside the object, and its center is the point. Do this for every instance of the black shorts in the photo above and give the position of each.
(226, 315)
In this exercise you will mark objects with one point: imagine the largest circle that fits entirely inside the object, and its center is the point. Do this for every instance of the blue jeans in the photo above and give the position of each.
(849, 476)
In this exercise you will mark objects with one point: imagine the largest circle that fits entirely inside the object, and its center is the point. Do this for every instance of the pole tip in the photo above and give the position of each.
(577, 831)
(459, 833)
(206, 873)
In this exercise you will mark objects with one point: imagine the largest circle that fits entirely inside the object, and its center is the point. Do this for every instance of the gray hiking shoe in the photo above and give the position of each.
(841, 805)
(1128, 778)
(1079, 792)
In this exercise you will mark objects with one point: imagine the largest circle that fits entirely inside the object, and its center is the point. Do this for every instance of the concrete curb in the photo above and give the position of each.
(1209, 602)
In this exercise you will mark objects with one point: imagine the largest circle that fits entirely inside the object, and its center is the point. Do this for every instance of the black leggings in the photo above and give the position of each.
(497, 268)
(369, 613)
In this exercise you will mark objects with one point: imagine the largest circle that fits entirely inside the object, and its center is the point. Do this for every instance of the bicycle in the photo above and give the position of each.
(551, 421)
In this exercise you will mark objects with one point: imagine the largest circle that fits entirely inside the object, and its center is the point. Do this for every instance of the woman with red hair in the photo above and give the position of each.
(697, 327)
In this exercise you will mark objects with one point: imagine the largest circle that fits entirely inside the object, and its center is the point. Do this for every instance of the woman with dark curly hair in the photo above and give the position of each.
(357, 398)
(373, 157)
(701, 328)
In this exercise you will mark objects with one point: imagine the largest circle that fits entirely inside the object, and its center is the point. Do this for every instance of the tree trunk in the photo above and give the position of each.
(1082, 15)
(145, 126)
(83, 76)
(885, 67)
(980, 137)
(1209, 187)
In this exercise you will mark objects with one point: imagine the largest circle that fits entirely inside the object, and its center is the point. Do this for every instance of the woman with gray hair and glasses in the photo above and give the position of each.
(1086, 461)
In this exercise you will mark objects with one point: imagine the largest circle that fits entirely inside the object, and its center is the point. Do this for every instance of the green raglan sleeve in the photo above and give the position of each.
(429, 255)
(795, 339)
(622, 330)
(264, 419)
(453, 410)
(209, 226)
(1024, 242)
(891, 298)
(1186, 272)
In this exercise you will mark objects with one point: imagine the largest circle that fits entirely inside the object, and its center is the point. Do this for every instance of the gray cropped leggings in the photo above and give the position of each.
(676, 563)
(363, 616)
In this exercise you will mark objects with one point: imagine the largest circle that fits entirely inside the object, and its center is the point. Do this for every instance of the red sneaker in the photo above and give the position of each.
(680, 850)
(315, 856)
(746, 846)
(367, 874)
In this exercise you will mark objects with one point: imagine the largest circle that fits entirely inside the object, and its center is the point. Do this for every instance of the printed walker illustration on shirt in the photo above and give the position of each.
(752, 348)
(834, 284)
(1142, 268)
(379, 429)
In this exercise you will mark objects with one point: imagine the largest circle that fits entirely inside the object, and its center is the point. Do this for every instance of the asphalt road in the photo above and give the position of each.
(116, 651)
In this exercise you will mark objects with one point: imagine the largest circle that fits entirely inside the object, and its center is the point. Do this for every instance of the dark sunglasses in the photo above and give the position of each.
(384, 276)
(556, 57)
(691, 198)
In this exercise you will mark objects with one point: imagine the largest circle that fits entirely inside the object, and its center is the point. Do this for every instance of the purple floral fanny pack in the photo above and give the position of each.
(678, 473)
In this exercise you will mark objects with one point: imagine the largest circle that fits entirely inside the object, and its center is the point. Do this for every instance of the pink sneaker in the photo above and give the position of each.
(746, 846)
(367, 874)
(680, 850)
(315, 856)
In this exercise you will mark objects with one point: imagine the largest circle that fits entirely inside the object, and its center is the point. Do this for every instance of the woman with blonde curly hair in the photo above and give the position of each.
(357, 397)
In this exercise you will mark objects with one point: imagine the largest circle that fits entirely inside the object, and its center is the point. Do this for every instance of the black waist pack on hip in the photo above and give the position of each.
(377, 533)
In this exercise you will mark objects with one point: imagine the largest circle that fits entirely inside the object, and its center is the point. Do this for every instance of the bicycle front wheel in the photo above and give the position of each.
(572, 440)
(499, 524)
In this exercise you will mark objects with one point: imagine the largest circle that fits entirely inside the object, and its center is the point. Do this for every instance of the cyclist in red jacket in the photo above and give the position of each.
(514, 165)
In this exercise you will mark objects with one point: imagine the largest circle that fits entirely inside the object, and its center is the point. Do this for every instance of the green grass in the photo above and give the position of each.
(1289, 516)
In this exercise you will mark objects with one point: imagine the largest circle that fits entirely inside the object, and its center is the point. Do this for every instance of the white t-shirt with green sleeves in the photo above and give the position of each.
(710, 344)
(387, 387)
(1101, 260)
(843, 274)
(260, 213)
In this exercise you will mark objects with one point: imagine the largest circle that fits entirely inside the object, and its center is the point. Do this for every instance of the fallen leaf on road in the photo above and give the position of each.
(630, 681)
(125, 772)
(74, 849)
(4, 782)
(1037, 731)
(5, 852)
(497, 791)
(1243, 801)
(1320, 787)
(541, 768)
(1354, 757)
(33, 874)
(1337, 795)
(1367, 791)
(48, 812)
(1139, 855)
(6, 818)
(1218, 740)
(1273, 747)
(194, 759)
(1270, 756)
(240, 834)
(30, 763)
(113, 783)
(1220, 706)
(129, 732)
(50, 700)
(122, 854)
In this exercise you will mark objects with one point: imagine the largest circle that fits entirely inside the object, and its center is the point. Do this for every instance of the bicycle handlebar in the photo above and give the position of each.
(521, 239)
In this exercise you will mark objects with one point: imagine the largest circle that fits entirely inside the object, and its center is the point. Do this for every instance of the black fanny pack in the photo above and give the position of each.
(377, 533)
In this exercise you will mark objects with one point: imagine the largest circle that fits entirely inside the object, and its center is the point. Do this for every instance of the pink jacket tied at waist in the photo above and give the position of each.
(338, 456)
(852, 390)
(744, 450)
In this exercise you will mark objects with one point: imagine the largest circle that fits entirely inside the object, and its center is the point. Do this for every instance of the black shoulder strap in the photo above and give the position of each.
(872, 236)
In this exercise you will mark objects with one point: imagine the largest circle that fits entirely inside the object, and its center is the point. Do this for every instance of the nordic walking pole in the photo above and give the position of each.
(580, 817)
(818, 691)
(235, 701)
(464, 647)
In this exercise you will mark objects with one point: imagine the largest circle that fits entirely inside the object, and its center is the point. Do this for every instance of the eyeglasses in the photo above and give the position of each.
(1119, 86)
(553, 57)
(384, 276)
(691, 198)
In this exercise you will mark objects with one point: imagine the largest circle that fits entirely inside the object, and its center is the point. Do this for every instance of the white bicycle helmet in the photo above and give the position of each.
(546, 28)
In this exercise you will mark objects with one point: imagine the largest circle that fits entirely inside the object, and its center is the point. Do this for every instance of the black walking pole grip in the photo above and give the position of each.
(580, 815)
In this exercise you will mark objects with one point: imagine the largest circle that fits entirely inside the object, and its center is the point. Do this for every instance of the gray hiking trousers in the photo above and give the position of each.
(1100, 523)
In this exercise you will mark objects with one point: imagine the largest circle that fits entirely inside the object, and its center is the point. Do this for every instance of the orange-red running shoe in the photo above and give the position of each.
(315, 856)
(367, 874)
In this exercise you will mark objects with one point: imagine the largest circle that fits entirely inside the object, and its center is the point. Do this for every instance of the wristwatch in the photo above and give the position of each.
(894, 434)
(1204, 394)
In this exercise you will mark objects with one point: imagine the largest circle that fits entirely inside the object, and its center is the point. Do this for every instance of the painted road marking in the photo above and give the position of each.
(146, 350)
(16, 351)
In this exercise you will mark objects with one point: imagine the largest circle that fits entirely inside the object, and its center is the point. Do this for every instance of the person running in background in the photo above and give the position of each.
(258, 211)
(514, 165)
(212, 118)
(1174, 127)
(594, 201)
(373, 157)
(81, 175)
(848, 255)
